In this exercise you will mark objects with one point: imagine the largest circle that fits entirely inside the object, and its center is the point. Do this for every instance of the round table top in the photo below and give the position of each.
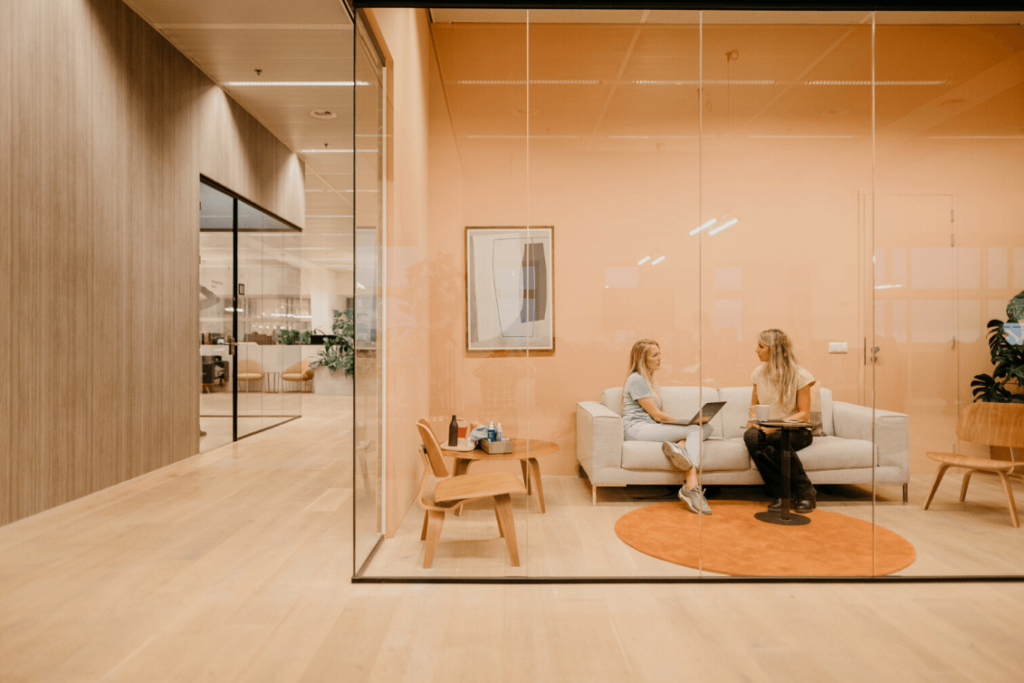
(521, 450)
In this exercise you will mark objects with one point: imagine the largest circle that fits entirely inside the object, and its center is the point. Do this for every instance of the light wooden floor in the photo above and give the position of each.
(235, 565)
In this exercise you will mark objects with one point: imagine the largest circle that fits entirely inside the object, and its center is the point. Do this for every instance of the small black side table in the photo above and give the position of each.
(784, 516)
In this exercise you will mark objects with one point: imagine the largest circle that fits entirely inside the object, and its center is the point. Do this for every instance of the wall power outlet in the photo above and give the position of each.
(837, 347)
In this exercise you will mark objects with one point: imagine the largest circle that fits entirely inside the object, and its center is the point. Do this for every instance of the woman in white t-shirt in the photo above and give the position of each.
(781, 383)
(642, 419)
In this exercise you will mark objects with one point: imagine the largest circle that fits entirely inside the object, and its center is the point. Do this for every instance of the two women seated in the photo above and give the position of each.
(778, 382)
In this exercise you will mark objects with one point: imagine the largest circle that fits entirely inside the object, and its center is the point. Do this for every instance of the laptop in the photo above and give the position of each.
(709, 410)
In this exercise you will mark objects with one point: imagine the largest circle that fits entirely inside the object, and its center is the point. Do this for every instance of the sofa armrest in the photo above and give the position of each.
(892, 432)
(598, 438)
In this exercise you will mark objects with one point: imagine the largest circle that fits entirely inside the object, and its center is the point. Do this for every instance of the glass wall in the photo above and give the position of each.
(250, 294)
(629, 215)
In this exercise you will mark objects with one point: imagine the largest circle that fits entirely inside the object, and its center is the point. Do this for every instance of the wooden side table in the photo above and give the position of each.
(526, 452)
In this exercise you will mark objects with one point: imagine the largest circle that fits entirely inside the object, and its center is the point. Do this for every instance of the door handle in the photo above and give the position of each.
(232, 348)
(874, 353)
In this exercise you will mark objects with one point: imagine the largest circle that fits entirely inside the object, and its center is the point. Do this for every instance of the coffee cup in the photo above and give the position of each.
(761, 412)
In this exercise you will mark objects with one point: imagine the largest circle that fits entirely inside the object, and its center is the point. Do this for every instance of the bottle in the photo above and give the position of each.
(453, 433)
(491, 432)
(498, 435)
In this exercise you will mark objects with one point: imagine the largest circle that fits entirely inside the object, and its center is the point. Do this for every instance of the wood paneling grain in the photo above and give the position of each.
(6, 136)
(109, 130)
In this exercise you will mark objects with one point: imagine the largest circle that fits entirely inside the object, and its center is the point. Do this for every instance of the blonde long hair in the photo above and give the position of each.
(780, 370)
(638, 364)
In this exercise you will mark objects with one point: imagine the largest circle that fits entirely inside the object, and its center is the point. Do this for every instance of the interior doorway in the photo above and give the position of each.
(252, 319)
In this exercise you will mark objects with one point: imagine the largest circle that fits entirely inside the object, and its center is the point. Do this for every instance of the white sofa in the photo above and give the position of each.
(843, 456)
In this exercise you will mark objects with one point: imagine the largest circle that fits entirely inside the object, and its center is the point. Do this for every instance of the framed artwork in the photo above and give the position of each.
(510, 289)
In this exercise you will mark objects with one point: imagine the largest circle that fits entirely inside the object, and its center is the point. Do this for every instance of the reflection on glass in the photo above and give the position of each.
(709, 177)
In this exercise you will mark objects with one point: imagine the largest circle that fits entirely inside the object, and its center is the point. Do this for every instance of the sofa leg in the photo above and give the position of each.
(593, 496)
(905, 496)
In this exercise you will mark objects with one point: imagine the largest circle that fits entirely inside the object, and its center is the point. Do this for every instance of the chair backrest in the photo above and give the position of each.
(432, 458)
(992, 424)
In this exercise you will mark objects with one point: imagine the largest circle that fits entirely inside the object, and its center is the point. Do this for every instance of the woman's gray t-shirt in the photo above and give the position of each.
(632, 412)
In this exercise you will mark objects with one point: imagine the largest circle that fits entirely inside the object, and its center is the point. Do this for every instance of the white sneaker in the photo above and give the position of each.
(677, 455)
(694, 498)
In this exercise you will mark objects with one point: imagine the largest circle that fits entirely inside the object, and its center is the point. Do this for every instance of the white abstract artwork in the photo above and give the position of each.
(510, 288)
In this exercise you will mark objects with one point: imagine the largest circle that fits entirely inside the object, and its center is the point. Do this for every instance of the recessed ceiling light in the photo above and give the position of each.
(323, 114)
(876, 82)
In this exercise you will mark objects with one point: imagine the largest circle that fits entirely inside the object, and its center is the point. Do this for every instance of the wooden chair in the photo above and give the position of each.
(992, 424)
(451, 493)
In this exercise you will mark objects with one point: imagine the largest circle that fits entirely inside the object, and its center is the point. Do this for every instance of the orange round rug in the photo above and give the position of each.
(732, 542)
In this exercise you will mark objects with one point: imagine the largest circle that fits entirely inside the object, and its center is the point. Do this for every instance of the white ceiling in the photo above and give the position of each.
(293, 41)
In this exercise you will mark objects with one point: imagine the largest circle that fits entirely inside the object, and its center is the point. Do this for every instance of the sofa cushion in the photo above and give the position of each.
(719, 456)
(736, 410)
(827, 420)
(833, 453)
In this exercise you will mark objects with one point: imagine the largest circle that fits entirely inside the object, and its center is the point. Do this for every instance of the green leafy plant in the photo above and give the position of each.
(1008, 360)
(288, 337)
(339, 351)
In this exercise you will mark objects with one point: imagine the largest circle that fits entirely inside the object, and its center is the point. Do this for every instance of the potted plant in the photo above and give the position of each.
(334, 367)
(1007, 379)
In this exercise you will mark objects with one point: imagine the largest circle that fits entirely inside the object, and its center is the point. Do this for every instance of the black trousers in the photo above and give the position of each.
(766, 452)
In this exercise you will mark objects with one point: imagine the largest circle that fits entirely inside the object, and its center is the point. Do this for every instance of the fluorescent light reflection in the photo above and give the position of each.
(888, 286)
(360, 285)
(723, 226)
(296, 84)
(657, 260)
(644, 260)
(706, 225)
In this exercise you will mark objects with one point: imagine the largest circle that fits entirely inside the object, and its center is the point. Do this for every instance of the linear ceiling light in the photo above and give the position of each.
(976, 137)
(803, 137)
(327, 151)
(888, 286)
(296, 84)
(707, 82)
(655, 137)
(723, 226)
(657, 260)
(876, 82)
(532, 82)
(523, 137)
(644, 260)
(706, 225)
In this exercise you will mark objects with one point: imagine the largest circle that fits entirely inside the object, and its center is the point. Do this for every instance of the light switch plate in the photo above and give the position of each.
(837, 347)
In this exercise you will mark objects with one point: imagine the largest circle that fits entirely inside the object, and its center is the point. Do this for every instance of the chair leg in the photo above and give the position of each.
(963, 486)
(435, 522)
(426, 518)
(497, 514)
(935, 486)
(503, 506)
(1009, 499)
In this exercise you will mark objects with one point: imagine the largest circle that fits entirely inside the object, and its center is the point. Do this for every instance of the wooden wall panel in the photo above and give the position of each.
(6, 130)
(109, 129)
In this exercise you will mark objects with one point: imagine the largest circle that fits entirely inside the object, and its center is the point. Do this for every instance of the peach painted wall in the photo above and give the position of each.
(406, 36)
(798, 259)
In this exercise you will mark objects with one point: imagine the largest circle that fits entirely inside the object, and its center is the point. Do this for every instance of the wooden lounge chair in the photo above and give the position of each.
(451, 493)
(993, 424)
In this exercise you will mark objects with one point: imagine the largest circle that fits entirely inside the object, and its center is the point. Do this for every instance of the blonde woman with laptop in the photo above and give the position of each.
(785, 386)
(643, 418)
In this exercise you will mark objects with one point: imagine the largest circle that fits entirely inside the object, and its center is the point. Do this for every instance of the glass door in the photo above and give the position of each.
(250, 316)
